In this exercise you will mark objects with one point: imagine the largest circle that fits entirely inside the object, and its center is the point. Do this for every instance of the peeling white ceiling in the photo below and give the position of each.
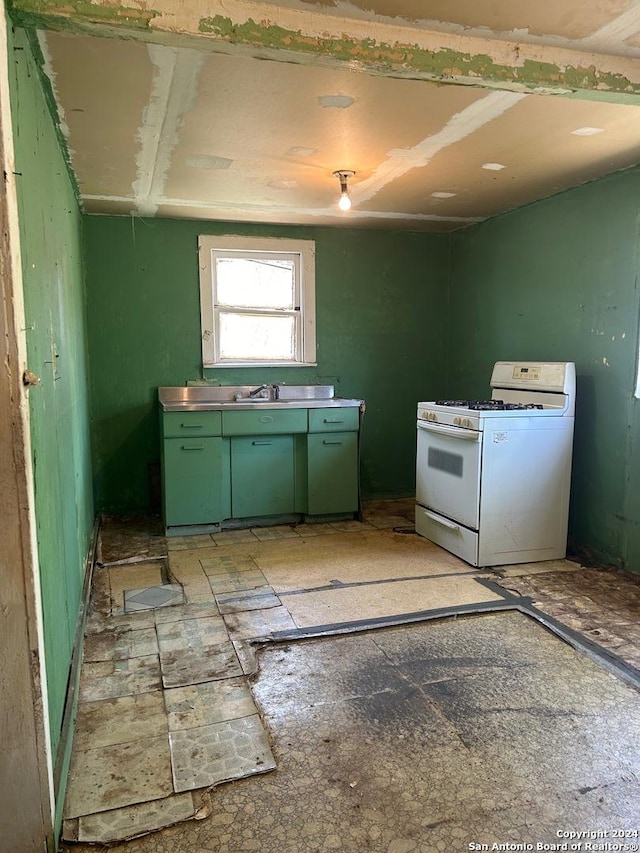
(207, 129)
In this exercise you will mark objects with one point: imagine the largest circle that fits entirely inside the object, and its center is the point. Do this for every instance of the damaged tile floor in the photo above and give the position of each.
(421, 738)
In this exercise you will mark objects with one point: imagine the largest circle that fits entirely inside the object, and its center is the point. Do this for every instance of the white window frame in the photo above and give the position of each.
(305, 289)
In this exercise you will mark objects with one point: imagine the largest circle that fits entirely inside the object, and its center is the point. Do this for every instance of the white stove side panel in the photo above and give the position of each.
(524, 501)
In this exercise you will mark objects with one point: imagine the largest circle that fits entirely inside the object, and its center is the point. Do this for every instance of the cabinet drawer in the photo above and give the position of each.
(334, 420)
(190, 424)
(264, 422)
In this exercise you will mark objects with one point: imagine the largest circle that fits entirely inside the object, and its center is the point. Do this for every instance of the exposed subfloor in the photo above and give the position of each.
(420, 738)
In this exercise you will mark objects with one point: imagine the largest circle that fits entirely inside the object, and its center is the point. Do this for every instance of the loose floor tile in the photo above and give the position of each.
(134, 621)
(135, 575)
(224, 564)
(115, 776)
(232, 581)
(152, 597)
(247, 655)
(203, 704)
(279, 531)
(120, 644)
(191, 633)
(111, 679)
(127, 718)
(179, 612)
(253, 599)
(193, 666)
(198, 591)
(220, 752)
(259, 623)
(135, 820)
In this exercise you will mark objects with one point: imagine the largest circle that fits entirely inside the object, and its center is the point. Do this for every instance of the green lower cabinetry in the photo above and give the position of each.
(263, 481)
(332, 467)
(196, 478)
(246, 464)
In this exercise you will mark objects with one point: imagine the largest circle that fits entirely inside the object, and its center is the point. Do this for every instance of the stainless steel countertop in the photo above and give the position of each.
(241, 405)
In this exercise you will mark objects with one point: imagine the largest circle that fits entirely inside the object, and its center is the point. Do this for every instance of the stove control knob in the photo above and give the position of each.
(432, 416)
(466, 422)
(457, 421)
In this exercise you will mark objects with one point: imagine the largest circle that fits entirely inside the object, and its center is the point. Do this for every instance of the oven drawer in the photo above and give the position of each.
(448, 464)
(448, 534)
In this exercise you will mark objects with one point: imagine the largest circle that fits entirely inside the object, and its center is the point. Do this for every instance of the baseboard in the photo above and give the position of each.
(63, 757)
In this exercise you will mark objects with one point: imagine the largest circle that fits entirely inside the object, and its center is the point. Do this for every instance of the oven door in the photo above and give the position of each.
(448, 471)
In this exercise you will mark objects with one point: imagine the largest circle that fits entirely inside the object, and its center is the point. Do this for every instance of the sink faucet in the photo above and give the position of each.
(257, 390)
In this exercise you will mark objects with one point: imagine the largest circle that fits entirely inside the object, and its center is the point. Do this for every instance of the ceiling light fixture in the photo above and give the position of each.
(343, 176)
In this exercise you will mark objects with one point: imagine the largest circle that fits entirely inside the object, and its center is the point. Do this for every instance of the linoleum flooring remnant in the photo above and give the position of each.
(602, 603)
(219, 752)
(372, 601)
(353, 558)
(308, 807)
(106, 827)
(426, 739)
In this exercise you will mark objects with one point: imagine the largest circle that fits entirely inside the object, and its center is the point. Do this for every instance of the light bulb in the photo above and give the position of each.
(343, 175)
(345, 201)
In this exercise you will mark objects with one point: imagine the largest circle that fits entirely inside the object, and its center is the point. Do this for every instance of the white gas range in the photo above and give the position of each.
(493, 476)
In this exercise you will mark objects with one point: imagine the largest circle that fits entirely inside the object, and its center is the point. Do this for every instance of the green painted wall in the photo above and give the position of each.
(380, 301)
(558, 280)
(50, 231)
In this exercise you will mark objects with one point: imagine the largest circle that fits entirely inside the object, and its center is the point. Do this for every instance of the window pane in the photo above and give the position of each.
(251, 336)
(255, 282)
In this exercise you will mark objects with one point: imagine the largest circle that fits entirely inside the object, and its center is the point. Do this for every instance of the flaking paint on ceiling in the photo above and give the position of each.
(146, 117)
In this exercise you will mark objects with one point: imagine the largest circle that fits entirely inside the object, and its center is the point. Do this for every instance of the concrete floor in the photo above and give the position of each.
(430, 737)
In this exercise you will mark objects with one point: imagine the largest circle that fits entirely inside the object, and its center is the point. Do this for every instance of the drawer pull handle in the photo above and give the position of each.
(194, 447)
(265, 419)
(261, 443)
(327, 441)
(191, 426)
(333, 421)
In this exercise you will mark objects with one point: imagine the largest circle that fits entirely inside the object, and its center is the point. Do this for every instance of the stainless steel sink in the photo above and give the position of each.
(221, 397)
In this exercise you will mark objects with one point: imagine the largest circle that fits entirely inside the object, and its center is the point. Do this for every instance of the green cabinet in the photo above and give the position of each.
(245, 464)
(195, 469)
(262, 475)
(332, 465)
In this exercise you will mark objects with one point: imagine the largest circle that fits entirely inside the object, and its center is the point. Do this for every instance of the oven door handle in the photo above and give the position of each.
(452, 432)
(440, 520)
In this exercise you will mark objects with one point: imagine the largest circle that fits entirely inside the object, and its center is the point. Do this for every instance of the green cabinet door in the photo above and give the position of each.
(262, 478)
(332, 467)
(196, 475)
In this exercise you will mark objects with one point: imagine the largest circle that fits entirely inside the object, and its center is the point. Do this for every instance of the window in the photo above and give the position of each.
(257, 301)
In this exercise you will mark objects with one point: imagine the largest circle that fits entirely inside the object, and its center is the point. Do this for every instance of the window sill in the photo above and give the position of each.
(260, 364)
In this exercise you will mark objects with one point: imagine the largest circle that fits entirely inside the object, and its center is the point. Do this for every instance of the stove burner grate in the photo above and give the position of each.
(489, 405)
